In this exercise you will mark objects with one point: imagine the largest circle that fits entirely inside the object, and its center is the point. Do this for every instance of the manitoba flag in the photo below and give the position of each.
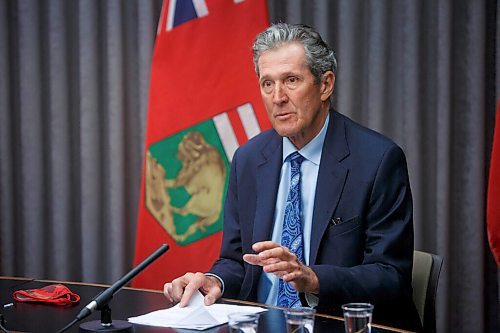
(204, 102)
(493, 202)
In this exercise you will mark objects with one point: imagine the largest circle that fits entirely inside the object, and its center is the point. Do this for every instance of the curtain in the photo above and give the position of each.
(74, 81)
(423, 73)
(73, 100)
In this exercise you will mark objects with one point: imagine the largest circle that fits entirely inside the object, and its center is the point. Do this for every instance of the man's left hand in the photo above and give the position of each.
(280, 261)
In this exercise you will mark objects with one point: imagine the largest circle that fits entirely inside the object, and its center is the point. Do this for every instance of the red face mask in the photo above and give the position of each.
(56, 294)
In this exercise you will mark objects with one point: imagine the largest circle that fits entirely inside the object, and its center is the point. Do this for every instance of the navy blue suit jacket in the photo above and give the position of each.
(363, 180)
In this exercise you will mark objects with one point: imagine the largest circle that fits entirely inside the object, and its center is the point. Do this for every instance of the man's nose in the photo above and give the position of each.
(279, 95)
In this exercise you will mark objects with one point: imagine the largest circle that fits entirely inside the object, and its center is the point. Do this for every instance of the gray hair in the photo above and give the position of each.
(320, 58)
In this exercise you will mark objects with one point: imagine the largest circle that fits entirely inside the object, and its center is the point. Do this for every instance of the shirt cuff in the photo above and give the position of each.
(220, 280)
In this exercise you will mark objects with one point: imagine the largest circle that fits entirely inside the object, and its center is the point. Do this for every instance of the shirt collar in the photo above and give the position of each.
(311, 151)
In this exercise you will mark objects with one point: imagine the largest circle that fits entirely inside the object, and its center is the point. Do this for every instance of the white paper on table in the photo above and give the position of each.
(196, 315)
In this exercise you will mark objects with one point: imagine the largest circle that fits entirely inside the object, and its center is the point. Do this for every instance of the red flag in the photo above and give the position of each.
(493, 202)
(204, 102)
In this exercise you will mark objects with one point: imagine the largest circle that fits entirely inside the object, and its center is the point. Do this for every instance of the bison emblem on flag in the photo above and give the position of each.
(186, 176)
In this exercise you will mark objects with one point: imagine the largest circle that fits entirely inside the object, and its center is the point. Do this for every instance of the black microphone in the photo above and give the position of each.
(103, 298)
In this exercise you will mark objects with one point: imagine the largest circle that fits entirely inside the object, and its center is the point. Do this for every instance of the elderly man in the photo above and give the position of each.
(318, 209)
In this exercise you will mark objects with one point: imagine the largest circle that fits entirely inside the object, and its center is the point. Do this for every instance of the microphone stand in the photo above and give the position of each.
(106, 324)
(100, 302)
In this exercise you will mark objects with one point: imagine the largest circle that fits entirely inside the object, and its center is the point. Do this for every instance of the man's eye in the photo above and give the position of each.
(267, 86)
(292, 81)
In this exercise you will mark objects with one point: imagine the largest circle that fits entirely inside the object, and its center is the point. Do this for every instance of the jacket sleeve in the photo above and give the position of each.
(230, 266)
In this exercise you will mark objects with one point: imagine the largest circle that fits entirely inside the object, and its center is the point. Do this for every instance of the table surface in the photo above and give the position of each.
(128, 302)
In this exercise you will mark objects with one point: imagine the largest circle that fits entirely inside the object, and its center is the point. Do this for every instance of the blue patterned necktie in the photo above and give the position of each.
(291, 236)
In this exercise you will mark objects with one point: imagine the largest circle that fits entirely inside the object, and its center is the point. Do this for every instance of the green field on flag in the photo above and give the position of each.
(166, 153)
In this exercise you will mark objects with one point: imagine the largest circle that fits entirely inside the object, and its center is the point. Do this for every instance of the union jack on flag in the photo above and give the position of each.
(182, 11)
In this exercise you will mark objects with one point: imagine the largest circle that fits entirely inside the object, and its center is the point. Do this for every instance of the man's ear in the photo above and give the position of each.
(327, 85)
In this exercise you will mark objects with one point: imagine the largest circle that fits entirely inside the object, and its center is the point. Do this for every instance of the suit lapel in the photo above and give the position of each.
(268, 177)
(331, 179)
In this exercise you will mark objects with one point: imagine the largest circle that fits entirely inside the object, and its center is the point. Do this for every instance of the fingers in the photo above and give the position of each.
(167, 291)
(280, 253)
(266, 245)
(273, 258)
(268, 253)
(182, 289)
(293, 275)
(212, 290)
(282, 268)
(256, 259)
(268, 250)
(252, 259)
(173, 290)
(196, 281)
(283, 263)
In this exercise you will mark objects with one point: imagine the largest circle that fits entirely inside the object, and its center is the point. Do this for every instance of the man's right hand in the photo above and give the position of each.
(181, 289)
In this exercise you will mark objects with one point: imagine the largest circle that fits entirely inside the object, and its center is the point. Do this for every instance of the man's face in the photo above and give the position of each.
(295, 104)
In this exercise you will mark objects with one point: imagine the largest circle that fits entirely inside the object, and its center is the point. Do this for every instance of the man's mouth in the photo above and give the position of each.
(283, 115)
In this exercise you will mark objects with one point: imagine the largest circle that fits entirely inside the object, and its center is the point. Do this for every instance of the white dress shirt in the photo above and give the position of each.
(268, 284)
